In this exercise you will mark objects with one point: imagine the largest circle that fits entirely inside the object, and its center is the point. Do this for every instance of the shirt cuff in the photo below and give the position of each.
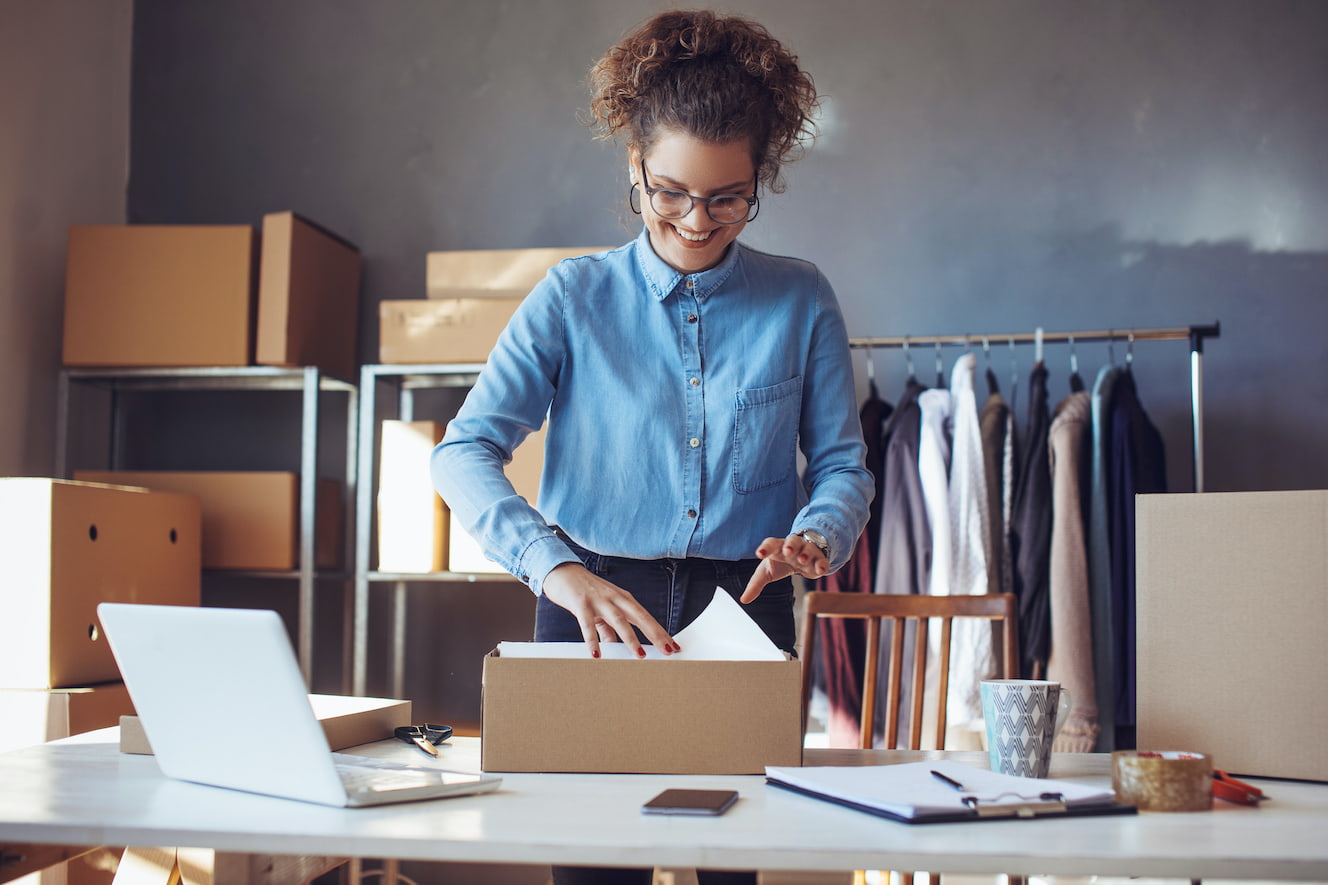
(540, 558)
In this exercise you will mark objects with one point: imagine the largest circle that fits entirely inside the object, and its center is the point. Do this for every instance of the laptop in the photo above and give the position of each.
(223, 702)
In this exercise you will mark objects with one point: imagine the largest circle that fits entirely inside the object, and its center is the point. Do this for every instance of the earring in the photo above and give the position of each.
(633, 199)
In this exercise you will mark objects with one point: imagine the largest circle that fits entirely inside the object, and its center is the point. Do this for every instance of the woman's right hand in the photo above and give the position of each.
(605, 611)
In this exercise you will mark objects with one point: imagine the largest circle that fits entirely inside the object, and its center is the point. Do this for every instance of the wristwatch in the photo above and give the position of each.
(815, 538)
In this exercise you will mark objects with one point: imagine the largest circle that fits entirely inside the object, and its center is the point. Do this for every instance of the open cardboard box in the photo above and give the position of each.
(640, 717)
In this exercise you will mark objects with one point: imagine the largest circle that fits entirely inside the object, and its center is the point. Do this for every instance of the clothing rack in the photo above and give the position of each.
(1194, 334)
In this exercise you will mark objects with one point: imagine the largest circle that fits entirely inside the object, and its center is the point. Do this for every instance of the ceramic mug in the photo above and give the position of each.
(1022, 718)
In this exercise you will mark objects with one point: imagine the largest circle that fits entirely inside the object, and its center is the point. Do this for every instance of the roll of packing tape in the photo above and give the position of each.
(1170, 781)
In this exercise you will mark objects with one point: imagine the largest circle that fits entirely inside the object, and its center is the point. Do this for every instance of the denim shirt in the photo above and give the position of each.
(676, 406)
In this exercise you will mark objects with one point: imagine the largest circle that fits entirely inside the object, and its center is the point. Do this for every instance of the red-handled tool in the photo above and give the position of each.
(1227, 787)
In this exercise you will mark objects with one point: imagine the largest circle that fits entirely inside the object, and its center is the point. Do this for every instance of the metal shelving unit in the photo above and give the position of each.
(309, 381)
(402, 382)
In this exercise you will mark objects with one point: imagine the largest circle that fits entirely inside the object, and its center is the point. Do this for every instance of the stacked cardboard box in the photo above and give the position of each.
(68, 546)
(209, 295)
(412, 521)
(251, 519)
(471, 296)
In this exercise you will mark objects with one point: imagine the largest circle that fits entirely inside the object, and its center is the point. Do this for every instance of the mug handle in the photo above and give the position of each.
(1062, 712)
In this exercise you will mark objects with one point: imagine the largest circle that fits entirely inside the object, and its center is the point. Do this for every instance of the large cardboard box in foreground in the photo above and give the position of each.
(640, 717)
(251, 519)
(1232, 601)
(160, 295)
(308, 297)
(66, 547)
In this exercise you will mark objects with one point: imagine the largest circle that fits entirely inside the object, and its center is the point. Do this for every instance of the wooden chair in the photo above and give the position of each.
(877, 608)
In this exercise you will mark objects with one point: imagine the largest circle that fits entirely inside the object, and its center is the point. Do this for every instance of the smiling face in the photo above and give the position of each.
(681, 162)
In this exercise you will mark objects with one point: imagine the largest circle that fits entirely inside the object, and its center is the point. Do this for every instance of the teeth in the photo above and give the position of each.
(695, 238)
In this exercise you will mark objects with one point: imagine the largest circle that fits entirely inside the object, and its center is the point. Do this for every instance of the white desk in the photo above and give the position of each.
(82, 791)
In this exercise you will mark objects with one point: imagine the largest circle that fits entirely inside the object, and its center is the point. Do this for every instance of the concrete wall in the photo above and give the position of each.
(984, 167)
(64, 159)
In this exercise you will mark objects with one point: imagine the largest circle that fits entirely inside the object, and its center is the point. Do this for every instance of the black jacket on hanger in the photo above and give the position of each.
(1030, 531)
(841, 643)
(1136, 465)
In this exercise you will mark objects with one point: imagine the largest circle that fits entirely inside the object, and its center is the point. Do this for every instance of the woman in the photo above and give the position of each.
(680, 373)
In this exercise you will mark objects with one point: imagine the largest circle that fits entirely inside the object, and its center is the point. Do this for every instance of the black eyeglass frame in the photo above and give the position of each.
(753, 202)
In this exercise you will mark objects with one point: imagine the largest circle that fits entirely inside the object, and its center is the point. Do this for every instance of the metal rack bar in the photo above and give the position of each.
(308, 381)
(1195, 335)
(400, 381)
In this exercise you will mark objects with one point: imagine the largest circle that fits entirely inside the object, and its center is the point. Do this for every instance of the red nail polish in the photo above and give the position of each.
(640, 652)
(595, 653)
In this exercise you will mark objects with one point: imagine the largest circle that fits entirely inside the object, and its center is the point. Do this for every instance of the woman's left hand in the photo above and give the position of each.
(781, 557)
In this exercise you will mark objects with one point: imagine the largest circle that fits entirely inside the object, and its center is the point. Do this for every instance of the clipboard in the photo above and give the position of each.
(920, 793)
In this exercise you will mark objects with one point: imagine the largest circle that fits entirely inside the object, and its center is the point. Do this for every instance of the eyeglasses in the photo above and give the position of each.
(671, 204)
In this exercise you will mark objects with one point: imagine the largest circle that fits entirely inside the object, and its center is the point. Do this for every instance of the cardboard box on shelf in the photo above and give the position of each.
(492, 273)
(412, 521)
(347, 722)
(454, 330)
(251, 519)
(463, 551)
(160, 295)
(308, 297)
(640, 717)
(1232, 601)
(34, 716)
(68, 546)
(471, 297)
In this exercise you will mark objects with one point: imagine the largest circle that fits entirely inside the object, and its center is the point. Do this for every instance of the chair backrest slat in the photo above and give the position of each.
(999, 608)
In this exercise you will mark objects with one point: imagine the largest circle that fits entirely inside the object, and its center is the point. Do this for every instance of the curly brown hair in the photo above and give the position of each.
(718, 78)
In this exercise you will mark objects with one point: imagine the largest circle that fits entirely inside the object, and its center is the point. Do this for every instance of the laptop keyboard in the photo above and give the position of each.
(364, 773)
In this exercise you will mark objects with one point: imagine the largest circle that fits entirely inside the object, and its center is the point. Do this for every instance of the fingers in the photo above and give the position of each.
(605, 612)
(781, 558)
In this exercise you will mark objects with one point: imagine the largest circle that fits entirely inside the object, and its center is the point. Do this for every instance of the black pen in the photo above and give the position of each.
(949, 780)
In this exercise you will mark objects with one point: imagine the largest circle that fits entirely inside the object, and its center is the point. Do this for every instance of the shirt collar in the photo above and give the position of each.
(663, 279)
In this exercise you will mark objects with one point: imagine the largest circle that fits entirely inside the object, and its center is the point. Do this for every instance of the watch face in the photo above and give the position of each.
(818, 539)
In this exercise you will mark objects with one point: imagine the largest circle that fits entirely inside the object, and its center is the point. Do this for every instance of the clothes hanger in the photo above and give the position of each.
(940, 367)
(871, 374)
(1014, 375)
(992, 387)
(908, 360)
(1076, 383)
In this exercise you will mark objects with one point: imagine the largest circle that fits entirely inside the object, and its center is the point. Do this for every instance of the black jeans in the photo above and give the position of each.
(675, 592)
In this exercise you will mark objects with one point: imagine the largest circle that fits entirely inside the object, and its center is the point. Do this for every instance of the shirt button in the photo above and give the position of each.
(691, 317)
(691, 514)
(691, 284)
(693, 442)
(694, 382)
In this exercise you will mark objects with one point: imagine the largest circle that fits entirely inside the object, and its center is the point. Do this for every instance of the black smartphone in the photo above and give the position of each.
(702, 802)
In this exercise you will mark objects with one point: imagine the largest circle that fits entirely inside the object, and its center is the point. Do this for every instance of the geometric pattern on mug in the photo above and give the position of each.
(1025, 725)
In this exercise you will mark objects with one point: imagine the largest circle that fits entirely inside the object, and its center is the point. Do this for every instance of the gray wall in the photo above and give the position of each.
(64, 159)
(986, 166)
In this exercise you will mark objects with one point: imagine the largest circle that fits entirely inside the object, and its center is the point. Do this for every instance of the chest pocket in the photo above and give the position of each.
(765, 435)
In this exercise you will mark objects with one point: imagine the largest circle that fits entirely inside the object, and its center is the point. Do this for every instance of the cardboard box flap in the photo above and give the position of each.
(493, 273)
